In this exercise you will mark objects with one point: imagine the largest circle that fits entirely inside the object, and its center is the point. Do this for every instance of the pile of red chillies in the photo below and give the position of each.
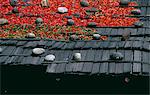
(51, 17)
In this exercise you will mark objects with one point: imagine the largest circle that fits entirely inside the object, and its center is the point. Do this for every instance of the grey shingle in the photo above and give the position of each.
(69, 67)
(98, 55)
(8, 50)
(104, 67)
(51, 68)
(60, 68)
(100, 30)
(35, 60)
(112, 44)
(145, 57)
(8, 42)
(145, 68)
(3, 59)
(127, 67)
(137, 68)
(90, 55)
(119, 68)
(137, 55)
(79, 45)
(95, 68)
(57, 45)
(112, 67)
(87, 67)
(129, 55)
(113, 32)
(121, 44)
(17, 59)
(128, 44)
(78, 67)
(104, 44)
(105, 55)
(146, 45)
(69, 45)
(21, 43)
(50, 43)
(10, 59)
(83, 55)
(27, 60)
(120, 31)
(32, 44)
(18, 50)
(41, 43)
(137, 44)
(27, 51)
(90, 44)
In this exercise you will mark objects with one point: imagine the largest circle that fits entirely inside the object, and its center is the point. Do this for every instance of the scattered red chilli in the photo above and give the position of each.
(108, 8)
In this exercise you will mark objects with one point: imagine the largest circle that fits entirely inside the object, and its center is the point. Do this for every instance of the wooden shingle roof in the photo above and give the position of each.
(95, 54)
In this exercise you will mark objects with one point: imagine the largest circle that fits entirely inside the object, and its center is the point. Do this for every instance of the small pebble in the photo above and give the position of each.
(50, 57)
(68, 17)
(3, 21)
(77, 56)
(13, 3)
(91, 24)
(62, 10)
(84, 3)
(39, 21)
(15, 10)
(38, 51)
(139, 24)
(77, 15)
(124, 2)
(70, 22)
(96, 36)
(30, 35)
(116, 56)
(44, 3)
(92, 10)
(136, 12)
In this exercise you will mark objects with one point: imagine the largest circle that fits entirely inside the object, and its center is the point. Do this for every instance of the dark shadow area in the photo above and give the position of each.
(34, 80)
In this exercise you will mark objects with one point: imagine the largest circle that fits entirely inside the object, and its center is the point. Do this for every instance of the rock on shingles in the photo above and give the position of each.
(77, 56)
(15, 10)
(50, 57)
(62, 10)
(13, 2)
(39, 21)
(124, 2)
(44, 3)
(70, 22)
(3, 21)
(136, 12)
(96, 36)
(91, 24)
(30, 35)
(139, 24)
(116, 56)
(84, 3)
(77, 15)
(93, 9)
(38, 51)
